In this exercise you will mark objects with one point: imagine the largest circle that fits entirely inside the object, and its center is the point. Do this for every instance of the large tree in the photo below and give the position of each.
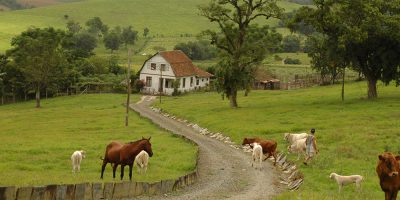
(366, 32)
(39, 55)
(129, 36)
(243, 44)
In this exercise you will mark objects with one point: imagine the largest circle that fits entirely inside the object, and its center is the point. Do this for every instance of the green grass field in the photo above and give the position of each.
(163, 17)
(36, 144)
(350, 134)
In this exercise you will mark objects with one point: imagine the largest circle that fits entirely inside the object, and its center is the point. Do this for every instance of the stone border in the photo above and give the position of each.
(289, 176)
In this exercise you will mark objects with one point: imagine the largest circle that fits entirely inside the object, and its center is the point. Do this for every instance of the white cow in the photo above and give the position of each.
(291, 137)
(298, 146)
(76, 159)
(257, 155)
(142, 160)
(345, 180)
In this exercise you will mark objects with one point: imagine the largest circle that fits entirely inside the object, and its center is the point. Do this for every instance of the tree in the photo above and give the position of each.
(112, 40)
(39, 55)
(243, 43)
(3, 63)
(366, 32)
(291, 43)
(198, 50)
(146, 32)
(129, 36)
(73, 27)
(80, 45)
(96, 26)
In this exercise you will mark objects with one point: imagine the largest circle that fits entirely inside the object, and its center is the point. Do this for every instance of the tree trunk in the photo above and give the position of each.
(13, 95)
(46, 93)
(2, 96)
(344, 71)
(38, 96)
(233, 98)
(372, 94)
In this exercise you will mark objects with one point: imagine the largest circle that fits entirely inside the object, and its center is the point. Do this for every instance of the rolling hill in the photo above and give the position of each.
(164, 18)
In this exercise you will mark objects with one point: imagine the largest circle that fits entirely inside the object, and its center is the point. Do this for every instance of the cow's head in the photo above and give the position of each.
(289, 149)
(388, 164)
(245, 141)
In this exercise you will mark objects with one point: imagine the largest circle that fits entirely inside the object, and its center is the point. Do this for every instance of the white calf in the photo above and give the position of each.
(257, 155)
(291, 137)
(298, 146)
(142, 160)
(76, 159)
(345, 180)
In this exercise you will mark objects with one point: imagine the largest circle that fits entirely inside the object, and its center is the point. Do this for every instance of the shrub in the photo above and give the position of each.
(292, 61)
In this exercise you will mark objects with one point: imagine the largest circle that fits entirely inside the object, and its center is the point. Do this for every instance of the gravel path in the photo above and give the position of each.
(224, 172)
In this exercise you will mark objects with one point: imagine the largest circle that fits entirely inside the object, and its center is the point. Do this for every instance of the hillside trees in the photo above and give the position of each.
(366, 32)
(96, 26)
(197, 50)
(39, 55)
(243, 44)
(128, 36)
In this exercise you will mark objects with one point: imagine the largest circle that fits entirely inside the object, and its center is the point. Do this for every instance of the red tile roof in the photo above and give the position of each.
(182, 65)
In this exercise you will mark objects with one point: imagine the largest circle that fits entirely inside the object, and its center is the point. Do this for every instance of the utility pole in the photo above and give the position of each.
(161, 82)
(128, 86)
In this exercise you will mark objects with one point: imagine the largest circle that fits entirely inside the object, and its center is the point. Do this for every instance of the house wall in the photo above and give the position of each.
(147, 71)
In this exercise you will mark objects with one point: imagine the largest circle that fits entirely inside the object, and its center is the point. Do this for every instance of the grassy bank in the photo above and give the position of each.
(36, 144)
(350, 134)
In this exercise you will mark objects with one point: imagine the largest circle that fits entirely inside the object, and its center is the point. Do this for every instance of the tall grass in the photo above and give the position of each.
(36, 144)
(350, 134)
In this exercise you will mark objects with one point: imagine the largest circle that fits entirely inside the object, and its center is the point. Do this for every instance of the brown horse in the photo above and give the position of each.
(124, 154)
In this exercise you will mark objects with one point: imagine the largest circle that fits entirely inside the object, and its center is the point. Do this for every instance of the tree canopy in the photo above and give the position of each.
(39, 55)
(365, 32)
(242, 42)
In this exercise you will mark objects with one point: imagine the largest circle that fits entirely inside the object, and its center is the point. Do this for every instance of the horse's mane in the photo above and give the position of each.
(137, 141)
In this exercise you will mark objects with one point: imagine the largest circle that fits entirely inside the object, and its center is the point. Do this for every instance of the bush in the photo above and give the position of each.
(292, 61)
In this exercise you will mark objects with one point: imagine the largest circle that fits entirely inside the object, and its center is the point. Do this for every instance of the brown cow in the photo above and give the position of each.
(388, 169)
(268, 146)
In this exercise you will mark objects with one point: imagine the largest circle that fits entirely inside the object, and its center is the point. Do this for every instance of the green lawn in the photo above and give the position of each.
(350, 135)
(163, 17)
(36, 144)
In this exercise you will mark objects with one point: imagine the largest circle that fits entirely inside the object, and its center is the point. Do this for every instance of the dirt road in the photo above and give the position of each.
(224, 172)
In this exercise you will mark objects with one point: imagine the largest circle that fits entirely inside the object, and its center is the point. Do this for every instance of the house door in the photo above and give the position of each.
(160, 86)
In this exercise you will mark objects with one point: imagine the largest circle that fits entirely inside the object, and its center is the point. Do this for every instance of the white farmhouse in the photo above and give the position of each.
(162, 69)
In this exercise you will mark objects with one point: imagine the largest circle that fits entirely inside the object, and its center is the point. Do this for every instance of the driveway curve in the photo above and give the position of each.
(223, 172)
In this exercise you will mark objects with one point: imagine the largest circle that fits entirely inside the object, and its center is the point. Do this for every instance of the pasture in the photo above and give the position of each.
(36, 144)
(162, 17)
(350, 134)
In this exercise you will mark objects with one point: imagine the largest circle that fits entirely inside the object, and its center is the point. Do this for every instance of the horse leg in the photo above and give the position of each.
(274, 155)
(394, 194)
(102, 169)
(130, 171)
(114, 166)
(122, 170)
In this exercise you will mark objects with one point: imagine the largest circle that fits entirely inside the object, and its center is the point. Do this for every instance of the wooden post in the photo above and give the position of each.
(128, 86)
(161, 83)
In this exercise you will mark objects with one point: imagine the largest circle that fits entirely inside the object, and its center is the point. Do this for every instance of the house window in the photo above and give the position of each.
(153, 66)
(164, 67)
(202, 80)
(191, 81)
(148, 81)
(197, 81)
(183, 82)
(169, 83)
